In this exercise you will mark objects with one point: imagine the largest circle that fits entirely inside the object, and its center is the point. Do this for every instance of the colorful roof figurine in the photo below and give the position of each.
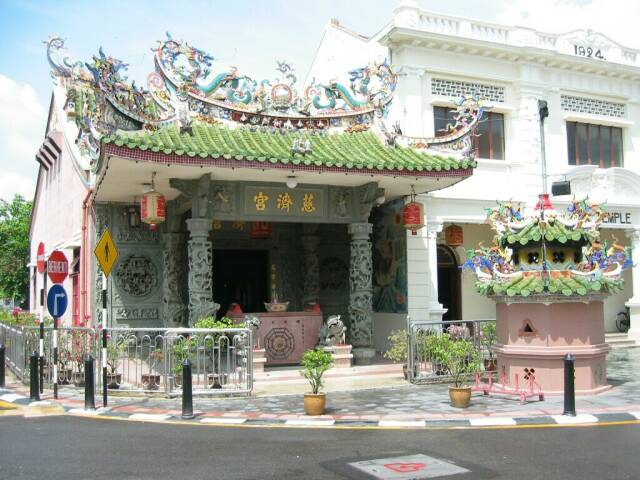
(198, 107)
(548, 254)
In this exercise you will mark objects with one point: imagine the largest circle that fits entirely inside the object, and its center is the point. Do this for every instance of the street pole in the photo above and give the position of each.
(543, 112)
(43, 293)
(54, 344)
(104, 340)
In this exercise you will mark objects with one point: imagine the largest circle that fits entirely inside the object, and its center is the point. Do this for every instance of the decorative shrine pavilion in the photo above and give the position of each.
(252, 191)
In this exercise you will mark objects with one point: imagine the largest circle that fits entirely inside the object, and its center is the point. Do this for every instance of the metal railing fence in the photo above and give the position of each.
(422, 366)
(139, 359)
(16, 353)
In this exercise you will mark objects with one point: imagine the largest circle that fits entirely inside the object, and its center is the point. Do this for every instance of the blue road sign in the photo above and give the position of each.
(57, 301)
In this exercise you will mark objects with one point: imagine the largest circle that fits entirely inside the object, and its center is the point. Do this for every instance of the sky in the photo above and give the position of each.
(251, 35)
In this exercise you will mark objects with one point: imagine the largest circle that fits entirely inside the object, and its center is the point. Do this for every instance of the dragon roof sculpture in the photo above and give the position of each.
(190, 85)
(548, 253)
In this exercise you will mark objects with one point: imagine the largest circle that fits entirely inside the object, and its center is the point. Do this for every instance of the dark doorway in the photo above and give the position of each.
(449, 283)
(241, 276)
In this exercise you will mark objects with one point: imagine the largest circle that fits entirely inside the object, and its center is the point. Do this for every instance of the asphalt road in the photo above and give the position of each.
(79, 448)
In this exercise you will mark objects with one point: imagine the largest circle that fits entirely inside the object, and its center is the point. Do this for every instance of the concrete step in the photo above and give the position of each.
(619, 340)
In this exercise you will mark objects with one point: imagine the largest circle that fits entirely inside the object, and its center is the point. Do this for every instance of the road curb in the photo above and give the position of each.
(129, 412)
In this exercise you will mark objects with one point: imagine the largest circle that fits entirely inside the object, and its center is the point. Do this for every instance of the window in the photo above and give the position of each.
(490, 140)
(590, 144)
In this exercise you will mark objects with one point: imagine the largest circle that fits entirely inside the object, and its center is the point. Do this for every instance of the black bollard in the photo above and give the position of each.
(34, 388)
(569, 386)
(187, 390)
(89, 384)
(2, 350)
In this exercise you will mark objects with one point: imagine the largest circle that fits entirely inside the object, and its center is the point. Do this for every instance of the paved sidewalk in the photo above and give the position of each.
(404, 405)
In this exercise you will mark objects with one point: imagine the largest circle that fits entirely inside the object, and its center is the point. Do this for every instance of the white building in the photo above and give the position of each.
(591, 85)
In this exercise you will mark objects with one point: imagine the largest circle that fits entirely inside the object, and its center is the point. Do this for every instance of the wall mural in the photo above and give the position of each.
(389, 259)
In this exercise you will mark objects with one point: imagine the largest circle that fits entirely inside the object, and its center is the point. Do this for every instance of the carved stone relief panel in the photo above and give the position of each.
(340, 202)
(223, 199)
(136, 275)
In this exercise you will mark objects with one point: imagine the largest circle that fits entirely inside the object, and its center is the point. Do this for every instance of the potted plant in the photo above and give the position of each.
(64, 367)
(459, 359)
(115, 349)
(151, 380)
(397, 351)
(314, 364)
(78, 374)
(488, 336)
(182, 348)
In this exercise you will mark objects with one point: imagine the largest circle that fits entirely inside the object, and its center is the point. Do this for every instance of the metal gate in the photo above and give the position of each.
(422, 367)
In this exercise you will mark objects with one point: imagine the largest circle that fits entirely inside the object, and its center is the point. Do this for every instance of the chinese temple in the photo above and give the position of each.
(549, 274)
(225, 193)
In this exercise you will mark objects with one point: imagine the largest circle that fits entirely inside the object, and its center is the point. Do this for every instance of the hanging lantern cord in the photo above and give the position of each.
(153, 181)
(413, 194)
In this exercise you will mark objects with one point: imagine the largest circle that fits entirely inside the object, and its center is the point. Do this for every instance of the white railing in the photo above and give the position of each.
(139, 360)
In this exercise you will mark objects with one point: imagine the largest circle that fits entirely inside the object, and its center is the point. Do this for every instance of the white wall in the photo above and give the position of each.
(57, 213)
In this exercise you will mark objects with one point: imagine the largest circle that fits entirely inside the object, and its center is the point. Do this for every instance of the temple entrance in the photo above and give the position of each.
(449, 283)
(241, 276)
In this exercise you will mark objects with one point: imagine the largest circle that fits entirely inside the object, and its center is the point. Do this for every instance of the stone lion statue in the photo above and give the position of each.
(253, 323)
(333, 332)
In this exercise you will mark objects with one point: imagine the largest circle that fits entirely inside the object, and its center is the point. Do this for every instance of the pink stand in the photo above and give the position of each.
(535, 336)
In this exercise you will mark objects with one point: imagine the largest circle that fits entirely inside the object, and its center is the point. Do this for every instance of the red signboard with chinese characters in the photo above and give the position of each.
(57, 267)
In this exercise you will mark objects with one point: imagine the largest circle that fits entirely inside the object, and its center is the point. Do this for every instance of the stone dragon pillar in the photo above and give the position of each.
(310, 265)
(200, 282)
(360, 292)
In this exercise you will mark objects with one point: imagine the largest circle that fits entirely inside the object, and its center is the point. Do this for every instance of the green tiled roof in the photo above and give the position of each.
(568, 286)
(361, 150)
(552, 231)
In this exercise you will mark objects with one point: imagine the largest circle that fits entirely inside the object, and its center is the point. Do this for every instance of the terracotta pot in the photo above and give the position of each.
(78, 379)
(114, 380)
(64, 376)
(460, 396)
(175, 381)
(490, 364)
(150, 381)
(314, 403)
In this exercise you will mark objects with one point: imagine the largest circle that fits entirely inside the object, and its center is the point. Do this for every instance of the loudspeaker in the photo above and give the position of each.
(561, 188)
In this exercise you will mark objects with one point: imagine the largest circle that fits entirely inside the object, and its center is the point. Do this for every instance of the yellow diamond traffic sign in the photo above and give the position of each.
(106, 252)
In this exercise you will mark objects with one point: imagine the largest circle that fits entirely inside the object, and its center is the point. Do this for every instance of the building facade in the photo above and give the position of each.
(591, 136)
(227, 194)
(296, 193)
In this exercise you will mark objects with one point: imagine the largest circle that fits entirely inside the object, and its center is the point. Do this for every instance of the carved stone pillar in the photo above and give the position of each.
(201, 302)
(360, 293)
(634, 301)
(310, 265)
(174, 308)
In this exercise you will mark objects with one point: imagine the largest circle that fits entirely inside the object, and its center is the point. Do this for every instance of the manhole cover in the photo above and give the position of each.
(409, 467)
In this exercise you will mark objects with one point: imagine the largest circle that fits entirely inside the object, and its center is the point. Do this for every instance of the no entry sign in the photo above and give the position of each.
(40, 258)
(57, 267)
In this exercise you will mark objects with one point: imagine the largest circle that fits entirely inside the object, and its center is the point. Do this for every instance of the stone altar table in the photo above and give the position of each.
(285, 335)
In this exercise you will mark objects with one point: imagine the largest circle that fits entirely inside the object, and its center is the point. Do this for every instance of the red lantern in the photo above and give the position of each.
(261, 230)
(544, 202)
(412, 217)
(153, 209)
(453, 235)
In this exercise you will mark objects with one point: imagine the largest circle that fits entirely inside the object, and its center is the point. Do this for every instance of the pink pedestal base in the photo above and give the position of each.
(341, 354)
(259, 359)
(538, 336)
